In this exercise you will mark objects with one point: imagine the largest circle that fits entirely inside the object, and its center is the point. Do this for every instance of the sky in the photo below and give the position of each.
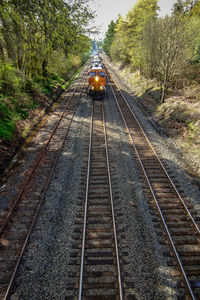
(108, 10)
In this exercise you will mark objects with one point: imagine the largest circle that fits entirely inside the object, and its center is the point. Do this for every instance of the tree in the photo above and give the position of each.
(196, 9)
(172, 55)
(187, 7)
(178, 7)
(137, 18)
(148, 44)
(118, 49)
(31, 30)
(109, 37)
(129, 32)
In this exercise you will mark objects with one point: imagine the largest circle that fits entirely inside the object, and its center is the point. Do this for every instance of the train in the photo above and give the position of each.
(97, 80)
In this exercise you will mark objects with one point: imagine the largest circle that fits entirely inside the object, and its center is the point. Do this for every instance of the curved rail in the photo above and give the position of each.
(131, 135)
(9, 288)
(10, 212)
(164, 169)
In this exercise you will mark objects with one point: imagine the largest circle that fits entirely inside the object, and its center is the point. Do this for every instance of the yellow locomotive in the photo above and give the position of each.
(97, 82)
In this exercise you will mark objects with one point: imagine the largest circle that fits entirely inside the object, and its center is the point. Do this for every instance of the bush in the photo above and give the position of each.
(7, 125)
(10, 82)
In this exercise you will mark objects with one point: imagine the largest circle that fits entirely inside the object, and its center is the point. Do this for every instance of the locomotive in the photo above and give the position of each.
(97, 81)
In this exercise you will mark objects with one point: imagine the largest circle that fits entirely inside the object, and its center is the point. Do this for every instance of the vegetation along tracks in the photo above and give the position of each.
(20, 219)
(97, 254)
(180, 226)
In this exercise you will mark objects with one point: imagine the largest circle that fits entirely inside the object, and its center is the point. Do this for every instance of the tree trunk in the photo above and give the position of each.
(44, 67)
(2, 57)
(163, 93)
(164, 86)
(7, 41)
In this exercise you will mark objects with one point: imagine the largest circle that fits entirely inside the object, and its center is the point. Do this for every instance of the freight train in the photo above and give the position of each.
(97, 80)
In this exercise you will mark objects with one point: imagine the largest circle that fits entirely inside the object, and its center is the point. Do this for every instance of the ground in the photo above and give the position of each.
(179, 118)
(24, 128)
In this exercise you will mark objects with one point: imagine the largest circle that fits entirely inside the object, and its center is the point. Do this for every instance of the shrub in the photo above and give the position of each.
(10, 82)
(7, 125)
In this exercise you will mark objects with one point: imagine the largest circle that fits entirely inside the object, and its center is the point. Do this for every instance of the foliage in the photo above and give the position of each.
(170, 52)
(191, 129)
(198, 53)
(42, 43)
(118, 49)
(109, 37)
(166, 49)
(129, 32)
(7, 126)
(31, 31)
(186, 7)
(176, 41)
(9, 79)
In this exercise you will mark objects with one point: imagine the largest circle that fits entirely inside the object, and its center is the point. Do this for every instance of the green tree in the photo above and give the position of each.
(130, 32)
(118, 49)
(196, 9)
(109, 37)
(148, 45)
(137, 18)
(40, 40)
(178, 7)
(187, 7)
(31, 30)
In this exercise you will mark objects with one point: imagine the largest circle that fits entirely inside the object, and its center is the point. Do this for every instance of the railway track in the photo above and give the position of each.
(177, 216)
(19, 221)
(99, 253)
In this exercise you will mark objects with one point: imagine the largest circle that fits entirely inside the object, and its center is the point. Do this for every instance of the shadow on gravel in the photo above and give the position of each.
(47, 263)
(195, 179)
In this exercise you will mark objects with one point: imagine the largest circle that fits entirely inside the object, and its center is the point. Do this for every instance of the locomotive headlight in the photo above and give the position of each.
(101, 88)
(96, 78)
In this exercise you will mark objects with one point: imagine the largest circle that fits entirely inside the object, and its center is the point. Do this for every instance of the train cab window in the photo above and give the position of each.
(101, 74)
(91, 74)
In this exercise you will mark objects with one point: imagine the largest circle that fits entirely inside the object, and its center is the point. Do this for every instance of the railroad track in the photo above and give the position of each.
(19, 221)
(177, 216)
(98, 255)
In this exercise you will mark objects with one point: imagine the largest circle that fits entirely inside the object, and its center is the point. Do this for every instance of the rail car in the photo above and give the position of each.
(97, 82)
(96, 63)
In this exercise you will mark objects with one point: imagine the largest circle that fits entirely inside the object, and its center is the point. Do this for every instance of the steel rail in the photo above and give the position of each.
(158, 207)
(85, 209)
(164, 169)
(113, 213)
(9, 214)
(9, 289)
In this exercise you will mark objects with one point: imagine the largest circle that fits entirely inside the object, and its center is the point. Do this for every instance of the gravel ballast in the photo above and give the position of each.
(43, 273)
